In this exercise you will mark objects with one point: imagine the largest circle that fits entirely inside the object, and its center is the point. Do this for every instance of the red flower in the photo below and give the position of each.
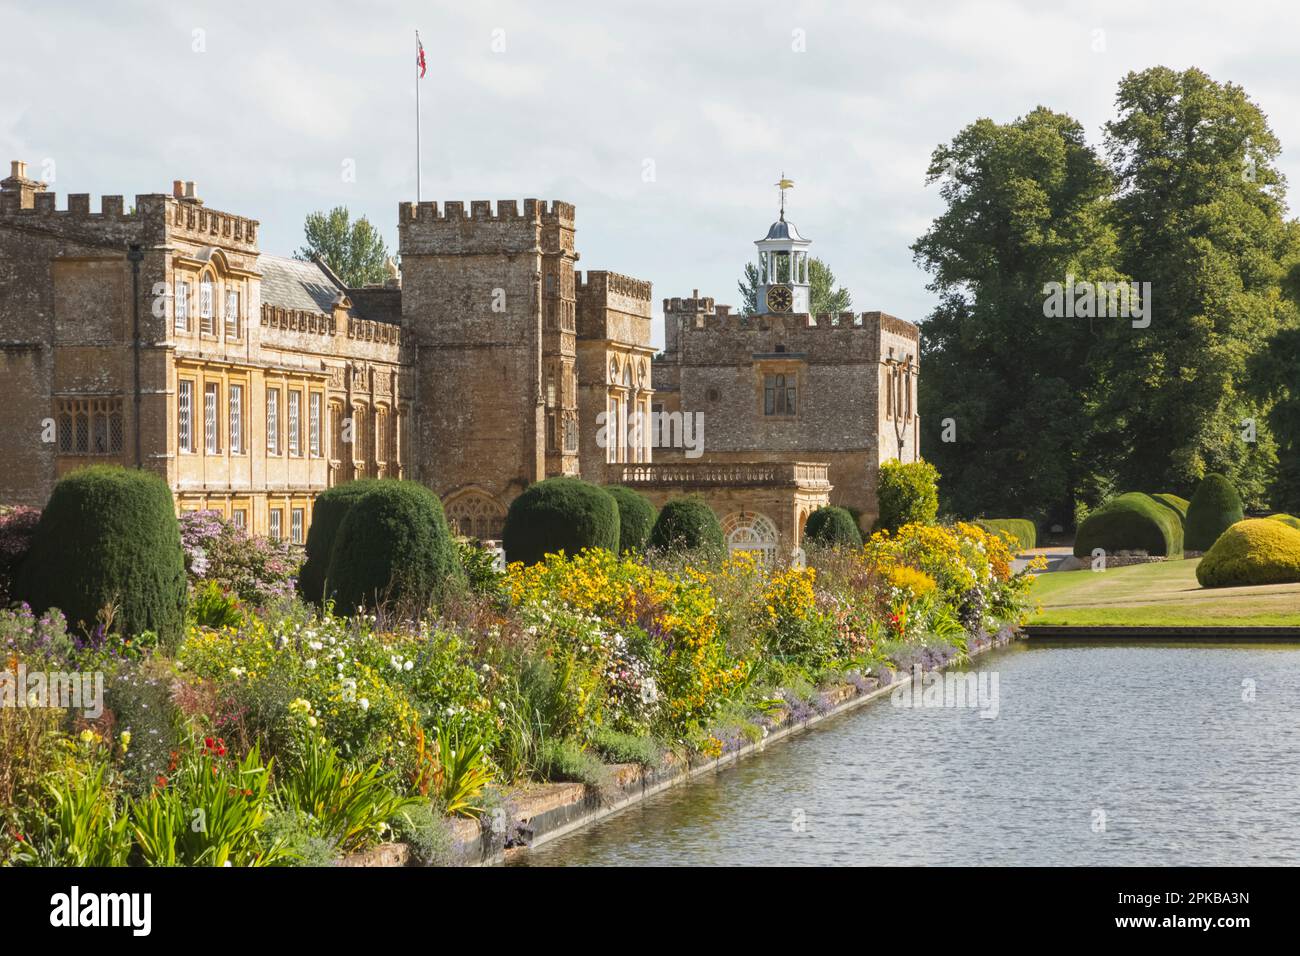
(207, 742)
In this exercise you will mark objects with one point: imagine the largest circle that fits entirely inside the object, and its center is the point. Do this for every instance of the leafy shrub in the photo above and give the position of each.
(393, 548)
(109, 538)
(253, 568)
(327, 513)
(421, 827)
(617, 747)
(480, 567)
(566, 760)
(1023, 531)
(78, 824)
(1291, 520)
(1214, 508)
(213, 607)
(17, 528)
(1252, 551)
(832, 527)
(560, 514)
(636, 518)
(687, 524)
(348, 806)
(907, 494)
(230, 797)
(1130, 522)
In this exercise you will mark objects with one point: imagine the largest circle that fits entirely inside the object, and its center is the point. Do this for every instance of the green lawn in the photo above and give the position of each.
(1152, 595)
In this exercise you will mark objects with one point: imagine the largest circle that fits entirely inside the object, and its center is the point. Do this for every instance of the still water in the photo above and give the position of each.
(1099, 754)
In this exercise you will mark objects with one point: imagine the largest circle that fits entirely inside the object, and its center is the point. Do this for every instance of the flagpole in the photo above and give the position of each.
(417, 116)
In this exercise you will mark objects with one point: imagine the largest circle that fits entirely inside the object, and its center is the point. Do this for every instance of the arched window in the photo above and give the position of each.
(475, 514)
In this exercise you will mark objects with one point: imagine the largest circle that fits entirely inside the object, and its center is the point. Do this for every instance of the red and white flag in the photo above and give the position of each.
(419, 55)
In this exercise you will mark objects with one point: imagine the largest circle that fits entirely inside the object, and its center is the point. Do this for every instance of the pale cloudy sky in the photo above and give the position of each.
(570, 100)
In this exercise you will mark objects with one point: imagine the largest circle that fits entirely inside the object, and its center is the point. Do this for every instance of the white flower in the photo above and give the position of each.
(365, 703)
(408, 665)
(311, 664)
(236, 672)
(315, 645)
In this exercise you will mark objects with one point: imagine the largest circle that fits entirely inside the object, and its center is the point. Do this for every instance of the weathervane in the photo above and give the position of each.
(783, 185)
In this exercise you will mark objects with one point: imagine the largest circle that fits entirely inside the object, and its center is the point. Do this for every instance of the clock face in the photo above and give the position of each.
(779, 298)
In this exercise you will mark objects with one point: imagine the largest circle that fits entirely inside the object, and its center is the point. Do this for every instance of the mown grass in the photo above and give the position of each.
(1155, 595)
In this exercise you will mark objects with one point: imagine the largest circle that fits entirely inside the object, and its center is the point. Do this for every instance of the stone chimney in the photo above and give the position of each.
(18, 184)
(185, 192)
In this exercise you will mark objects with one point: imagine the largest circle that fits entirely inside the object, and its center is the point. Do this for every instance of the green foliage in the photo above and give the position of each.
(355, 251)
(617, 747)
(1214, 508)
(348, 806)
(79, 825)
(421, 827)
(832, 527)
(636, 518)
(687, 524)
(393, 549)
(464, 771)
(211, 813)
(1252, 551)
(327, 514)
(560, 514)
(1023, 531)
(1179, 505)
(109, 539)
(1130, 522)
(907, 494)
(825, 295)
(566, 760)
(212, 607)
(1025, 204)
(480, 567)
(1200, 214)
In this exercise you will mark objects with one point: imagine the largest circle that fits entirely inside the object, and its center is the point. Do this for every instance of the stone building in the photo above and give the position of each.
(783, 386)
(161, 336)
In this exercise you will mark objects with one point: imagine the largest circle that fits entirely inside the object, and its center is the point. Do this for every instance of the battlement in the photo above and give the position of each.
(695, 304)
(320, 323)
(480, 210)
(192, 220)
(44, 204)
(603, 284)
(704, 316)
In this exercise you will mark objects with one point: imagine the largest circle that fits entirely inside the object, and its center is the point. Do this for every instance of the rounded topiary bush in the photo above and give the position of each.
(907, 494)
(1130, 522)
(1253, 551)
(327, 514)
(636, 518)
(1214, 508)
(1176, 504)
(1291, 520)
(1023, 531)
(393, 549)
(832, 527)
(109, 537)
(560, 514)
(687, 524)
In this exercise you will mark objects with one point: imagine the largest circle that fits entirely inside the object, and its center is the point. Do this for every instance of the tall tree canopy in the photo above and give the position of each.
(354, 250)
(826, 297)
(1049, 412)
(1199, 215)
(1005, 392)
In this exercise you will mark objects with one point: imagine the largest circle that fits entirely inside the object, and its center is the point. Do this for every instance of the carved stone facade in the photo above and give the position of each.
(255, 381)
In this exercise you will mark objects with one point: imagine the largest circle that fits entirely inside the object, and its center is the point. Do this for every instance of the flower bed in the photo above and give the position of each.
(330, 735)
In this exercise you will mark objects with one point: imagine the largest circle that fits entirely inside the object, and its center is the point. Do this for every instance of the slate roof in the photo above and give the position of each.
(295, 284)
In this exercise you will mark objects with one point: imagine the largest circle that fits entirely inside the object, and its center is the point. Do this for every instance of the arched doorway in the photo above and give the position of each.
(475, 514)
(750, 531)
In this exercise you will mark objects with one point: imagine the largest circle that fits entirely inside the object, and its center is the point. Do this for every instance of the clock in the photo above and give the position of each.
(779, 298)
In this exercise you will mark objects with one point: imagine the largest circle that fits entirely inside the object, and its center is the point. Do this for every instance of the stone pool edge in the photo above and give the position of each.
(546, 812)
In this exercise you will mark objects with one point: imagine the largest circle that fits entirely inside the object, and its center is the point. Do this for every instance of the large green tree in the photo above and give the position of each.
(1006, 391)
(354, 250)
(1199, 215)
(826, 296)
